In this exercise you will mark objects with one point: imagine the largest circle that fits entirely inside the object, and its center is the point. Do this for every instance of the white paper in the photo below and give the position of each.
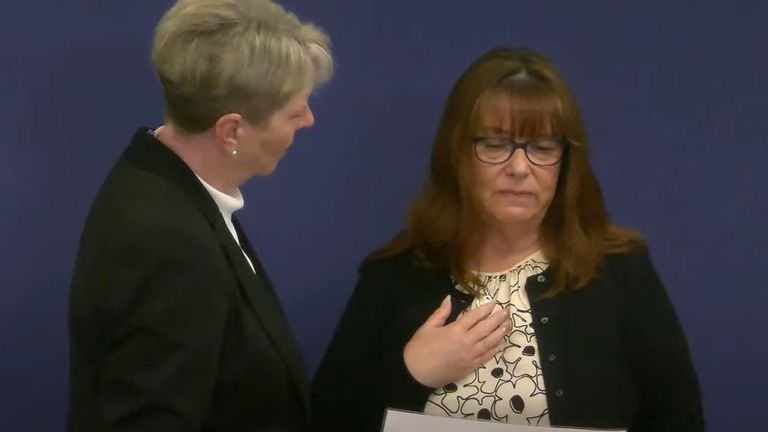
(404, 421)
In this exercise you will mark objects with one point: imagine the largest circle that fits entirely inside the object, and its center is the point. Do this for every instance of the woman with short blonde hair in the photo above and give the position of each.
(174, 325)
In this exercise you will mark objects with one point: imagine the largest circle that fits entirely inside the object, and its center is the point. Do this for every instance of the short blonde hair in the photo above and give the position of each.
(214, 57)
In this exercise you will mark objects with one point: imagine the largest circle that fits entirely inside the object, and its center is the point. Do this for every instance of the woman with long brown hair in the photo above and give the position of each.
(550, 314)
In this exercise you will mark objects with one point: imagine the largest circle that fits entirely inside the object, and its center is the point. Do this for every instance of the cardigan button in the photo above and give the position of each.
(541, 279)
(552, 357)
(559, 393)
(544, 320)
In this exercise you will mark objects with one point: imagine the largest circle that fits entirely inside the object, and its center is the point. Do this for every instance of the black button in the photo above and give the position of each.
(552, 357)
(544, 320)
(559, 393)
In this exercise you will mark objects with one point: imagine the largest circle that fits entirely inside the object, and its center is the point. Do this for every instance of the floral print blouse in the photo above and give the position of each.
(510, 387)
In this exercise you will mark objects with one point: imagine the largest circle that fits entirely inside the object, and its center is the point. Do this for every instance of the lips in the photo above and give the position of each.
(515, 192)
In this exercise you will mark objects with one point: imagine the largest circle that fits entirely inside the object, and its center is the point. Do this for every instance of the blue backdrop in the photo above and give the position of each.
(674, 94)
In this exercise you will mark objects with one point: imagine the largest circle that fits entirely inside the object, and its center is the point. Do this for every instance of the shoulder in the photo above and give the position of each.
(133, 191)
(631, 273)
(402, 261)
(386, 274)
(140, 207)
(134, 229)
(402, 266)
(635, 262)
(400, 274)
(634, 276)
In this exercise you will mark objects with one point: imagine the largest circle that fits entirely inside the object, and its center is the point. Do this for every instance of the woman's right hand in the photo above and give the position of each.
(439, 354)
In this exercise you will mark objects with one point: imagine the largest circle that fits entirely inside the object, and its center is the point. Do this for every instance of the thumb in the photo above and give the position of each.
(441, 314)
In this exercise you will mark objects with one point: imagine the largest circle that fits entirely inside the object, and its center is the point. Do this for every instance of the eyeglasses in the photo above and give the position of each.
(539, 151)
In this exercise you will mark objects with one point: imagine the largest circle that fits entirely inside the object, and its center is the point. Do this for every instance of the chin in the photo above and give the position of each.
(514, 216)
(264, 171)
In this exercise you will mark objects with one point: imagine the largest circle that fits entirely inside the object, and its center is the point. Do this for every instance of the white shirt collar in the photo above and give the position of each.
(227, 204)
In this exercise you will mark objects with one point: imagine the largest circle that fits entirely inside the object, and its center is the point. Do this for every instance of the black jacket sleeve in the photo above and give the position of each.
(363, 371)
(661, 366)
(163, 309)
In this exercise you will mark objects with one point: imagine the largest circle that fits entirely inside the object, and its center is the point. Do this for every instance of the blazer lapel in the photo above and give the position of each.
(267, 305)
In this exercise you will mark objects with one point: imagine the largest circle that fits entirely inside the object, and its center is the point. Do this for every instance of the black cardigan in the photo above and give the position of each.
(613, 353)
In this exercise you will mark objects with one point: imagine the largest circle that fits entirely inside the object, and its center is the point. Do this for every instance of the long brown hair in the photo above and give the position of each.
(575, 233)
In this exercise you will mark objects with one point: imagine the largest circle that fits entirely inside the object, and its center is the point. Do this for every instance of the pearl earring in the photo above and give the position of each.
(234, 152)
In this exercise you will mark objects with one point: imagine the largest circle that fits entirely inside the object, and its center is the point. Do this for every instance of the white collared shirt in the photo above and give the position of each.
(227, 206)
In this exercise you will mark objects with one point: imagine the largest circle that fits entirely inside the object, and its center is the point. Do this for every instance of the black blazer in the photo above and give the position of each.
(170, 329)
(613, 354)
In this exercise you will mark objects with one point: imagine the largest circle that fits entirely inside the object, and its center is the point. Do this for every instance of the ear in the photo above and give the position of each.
(227, 131)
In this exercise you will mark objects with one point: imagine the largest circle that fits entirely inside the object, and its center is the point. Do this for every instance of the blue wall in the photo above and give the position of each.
(674, 93)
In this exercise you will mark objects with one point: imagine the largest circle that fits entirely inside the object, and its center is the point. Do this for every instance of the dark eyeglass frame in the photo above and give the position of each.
(516, 145)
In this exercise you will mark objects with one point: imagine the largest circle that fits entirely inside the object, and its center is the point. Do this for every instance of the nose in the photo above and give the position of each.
(518, 163)
(309, 118)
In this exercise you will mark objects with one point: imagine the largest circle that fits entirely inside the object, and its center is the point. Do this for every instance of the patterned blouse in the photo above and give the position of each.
(510, 387)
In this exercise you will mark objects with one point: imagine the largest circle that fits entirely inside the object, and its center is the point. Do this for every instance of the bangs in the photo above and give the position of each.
(523, 108)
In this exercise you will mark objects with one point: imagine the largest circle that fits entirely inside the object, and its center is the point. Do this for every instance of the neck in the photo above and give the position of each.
(500, 248)
(203, 156)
